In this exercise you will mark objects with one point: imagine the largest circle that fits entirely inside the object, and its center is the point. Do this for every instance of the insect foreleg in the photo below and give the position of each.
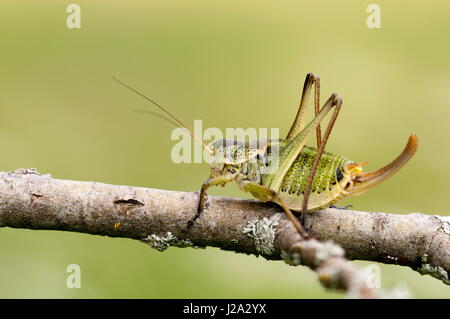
(271, 195)
(299, 122)
(337, 102)
(213, 181)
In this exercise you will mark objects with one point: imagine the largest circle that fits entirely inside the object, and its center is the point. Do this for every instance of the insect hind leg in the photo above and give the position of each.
(336, 101)
(311, 80)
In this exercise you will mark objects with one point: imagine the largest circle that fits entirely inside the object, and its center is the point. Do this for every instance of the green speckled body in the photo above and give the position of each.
(326, 188)
(295, 180)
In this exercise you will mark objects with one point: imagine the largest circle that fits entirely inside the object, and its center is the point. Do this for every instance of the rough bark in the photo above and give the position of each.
(160, 218)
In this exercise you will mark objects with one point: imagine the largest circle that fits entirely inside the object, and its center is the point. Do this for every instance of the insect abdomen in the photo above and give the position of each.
(325, 188)
(296, 178)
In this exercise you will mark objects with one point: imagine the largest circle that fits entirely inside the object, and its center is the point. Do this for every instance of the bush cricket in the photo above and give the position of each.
(307, 178)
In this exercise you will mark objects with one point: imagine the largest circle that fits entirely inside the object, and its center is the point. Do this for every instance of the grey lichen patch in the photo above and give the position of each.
(327, 249)
(262, 231)
(293, 260)
(445, 223)
(434, 271)
(161, 243)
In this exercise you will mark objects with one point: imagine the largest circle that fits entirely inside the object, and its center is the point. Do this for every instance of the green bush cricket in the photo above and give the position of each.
(307, 178)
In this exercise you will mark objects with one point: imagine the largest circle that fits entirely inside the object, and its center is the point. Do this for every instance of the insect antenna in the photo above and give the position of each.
(162, 117)
(180, 124)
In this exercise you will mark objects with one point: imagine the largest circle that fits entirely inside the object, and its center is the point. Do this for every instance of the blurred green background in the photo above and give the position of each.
(232, 64)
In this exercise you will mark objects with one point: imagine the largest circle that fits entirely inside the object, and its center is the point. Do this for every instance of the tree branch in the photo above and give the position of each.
(159, 218)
